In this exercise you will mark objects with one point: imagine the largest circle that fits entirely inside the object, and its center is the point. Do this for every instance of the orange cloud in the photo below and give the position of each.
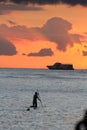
(55, 30)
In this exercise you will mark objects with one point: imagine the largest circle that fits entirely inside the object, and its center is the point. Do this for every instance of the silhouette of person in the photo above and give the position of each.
(82, 125)
(35, 97)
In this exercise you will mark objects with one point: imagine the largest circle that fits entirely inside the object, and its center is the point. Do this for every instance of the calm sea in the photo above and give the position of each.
(63, 94)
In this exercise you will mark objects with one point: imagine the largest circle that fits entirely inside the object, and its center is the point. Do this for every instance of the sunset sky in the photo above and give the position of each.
(37, 33)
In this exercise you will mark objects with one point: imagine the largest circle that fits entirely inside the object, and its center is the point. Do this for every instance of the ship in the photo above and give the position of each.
(60, 66)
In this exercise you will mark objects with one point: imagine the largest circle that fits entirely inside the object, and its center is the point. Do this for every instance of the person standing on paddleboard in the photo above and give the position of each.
(35, 97)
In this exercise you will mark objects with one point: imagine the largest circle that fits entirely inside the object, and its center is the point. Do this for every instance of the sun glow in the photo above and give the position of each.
(38, 34)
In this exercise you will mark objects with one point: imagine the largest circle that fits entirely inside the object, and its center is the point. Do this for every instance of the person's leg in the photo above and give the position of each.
(35, 105)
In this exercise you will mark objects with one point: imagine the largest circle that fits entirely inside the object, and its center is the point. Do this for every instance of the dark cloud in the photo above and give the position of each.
(56, 30)
(42, 2)
(75, 2)
(8, 8)
(42, 52)
(84, 53)
(6, 47)
(17, 7)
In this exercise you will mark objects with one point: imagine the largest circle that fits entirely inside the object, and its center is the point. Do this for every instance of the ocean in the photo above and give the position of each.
(63, 94)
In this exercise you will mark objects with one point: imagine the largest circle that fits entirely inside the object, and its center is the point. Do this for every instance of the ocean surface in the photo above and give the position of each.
(63, 94)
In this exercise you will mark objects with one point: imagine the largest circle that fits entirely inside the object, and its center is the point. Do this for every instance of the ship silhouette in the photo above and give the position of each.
(60, 66)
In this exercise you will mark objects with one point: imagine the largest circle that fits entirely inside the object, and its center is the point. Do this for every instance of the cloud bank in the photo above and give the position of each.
(42, 52)
(9, 8)
(18, 8)
(42, 2)
(56, 30)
